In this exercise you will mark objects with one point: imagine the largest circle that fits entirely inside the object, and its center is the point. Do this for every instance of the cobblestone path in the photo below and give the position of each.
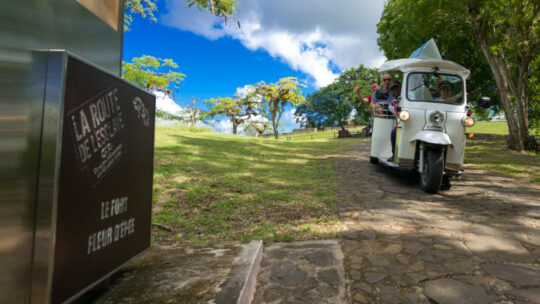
(478, 242)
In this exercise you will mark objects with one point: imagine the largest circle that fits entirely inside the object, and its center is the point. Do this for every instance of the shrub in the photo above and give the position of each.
(532, 143)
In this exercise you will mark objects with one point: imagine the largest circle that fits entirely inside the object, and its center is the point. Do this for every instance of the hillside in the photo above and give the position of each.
(210, 186)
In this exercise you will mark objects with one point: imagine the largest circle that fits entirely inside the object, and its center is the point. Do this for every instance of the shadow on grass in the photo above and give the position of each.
(241, 189)
(493, 154)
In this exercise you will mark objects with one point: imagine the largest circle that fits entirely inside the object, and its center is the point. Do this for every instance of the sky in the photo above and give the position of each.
(313, 40)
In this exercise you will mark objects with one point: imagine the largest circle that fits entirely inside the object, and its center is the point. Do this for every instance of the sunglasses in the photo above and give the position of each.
(387, 79)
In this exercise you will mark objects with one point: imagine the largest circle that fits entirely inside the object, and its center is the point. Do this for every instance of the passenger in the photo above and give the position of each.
(436, 91)
(446, 93)
(384, 97)
(374, 86)
(395, 92)
(366, 100)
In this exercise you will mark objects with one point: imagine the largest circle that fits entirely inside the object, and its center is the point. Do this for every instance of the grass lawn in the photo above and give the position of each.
(491, 127)
(210, 187)
(318, 135)
(493, 154)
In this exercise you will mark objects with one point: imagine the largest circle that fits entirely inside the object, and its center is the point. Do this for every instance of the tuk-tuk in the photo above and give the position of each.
(429, 117)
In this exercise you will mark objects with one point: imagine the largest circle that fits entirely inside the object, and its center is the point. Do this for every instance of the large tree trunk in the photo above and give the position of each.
(520, 91)
(515, 141)
(522, 99)
(274, 125)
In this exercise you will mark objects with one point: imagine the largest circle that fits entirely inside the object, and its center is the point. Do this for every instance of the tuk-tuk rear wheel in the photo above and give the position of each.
(432, 171)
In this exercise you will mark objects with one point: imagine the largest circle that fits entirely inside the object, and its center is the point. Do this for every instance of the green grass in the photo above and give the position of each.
(493, 154)
(210, 187)
(317, 135)
(491, 127)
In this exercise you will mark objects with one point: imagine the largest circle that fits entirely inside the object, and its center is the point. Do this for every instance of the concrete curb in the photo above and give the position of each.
(239, 287)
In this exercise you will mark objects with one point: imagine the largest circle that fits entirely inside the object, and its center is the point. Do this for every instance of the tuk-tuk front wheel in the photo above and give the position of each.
(432, 170)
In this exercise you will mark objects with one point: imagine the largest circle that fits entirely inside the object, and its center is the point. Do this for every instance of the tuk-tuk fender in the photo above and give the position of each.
(433, 137)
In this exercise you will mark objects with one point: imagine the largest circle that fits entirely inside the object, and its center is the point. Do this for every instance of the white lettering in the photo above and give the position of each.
(110, 235)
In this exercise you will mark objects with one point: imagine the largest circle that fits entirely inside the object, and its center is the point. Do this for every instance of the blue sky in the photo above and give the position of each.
(313, 40)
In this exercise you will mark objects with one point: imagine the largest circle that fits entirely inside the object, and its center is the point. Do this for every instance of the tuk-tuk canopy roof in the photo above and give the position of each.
(424, 64)
(425, 58)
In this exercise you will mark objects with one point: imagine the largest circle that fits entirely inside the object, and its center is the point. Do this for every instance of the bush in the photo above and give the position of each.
(532, 143)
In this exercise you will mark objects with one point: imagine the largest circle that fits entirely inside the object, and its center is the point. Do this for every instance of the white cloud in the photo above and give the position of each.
(289, 120)
(221, 126)
(318, 37)
(193, 20)
(165, 103)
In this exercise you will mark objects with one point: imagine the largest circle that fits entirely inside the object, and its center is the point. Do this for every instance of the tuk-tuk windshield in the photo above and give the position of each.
(435, 87)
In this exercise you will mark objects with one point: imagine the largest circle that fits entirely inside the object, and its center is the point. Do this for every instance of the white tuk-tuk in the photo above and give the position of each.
(430, 118)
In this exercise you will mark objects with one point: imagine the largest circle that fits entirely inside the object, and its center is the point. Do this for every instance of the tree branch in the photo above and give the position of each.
(212, 6)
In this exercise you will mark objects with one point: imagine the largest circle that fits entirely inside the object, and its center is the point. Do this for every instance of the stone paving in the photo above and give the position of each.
(478, 242)
(302, 272)
(179, 274)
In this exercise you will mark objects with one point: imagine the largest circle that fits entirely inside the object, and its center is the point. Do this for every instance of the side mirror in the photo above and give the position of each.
(484, 102)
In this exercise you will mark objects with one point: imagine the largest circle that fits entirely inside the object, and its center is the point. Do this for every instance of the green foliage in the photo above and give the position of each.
(144, 8)
(532, 143)
(403, 28)
(493, 38)
(239, 109)
(220, 8)
(148, 9)
(145, 72)
(326, 108)
(534, 93)
(275, 96)
(333, 104)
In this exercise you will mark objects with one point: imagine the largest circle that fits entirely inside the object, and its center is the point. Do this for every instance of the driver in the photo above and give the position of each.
(447, 89)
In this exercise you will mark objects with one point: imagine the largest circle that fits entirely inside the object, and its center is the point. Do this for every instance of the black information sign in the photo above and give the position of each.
(105, 184)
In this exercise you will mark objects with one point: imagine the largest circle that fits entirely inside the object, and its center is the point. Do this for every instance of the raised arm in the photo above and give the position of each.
(362, 99)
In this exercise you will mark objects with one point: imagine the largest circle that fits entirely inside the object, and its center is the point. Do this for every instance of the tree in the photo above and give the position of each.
(508, 33)
(496, 40)
(192, 113)
(145, 72)
(325, 108)
(334, 104)
(275, 96)
(239, 109)
(144, 8)
(220, 8)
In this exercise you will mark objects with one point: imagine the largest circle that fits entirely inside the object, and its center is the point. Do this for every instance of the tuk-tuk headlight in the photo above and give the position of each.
(468, 121)
(404, 115)
(436, 118)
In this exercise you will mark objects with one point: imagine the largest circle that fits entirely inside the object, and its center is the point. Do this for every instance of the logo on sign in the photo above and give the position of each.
(97, 127)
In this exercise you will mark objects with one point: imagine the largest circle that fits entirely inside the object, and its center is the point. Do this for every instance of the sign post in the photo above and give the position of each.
(103, 212)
